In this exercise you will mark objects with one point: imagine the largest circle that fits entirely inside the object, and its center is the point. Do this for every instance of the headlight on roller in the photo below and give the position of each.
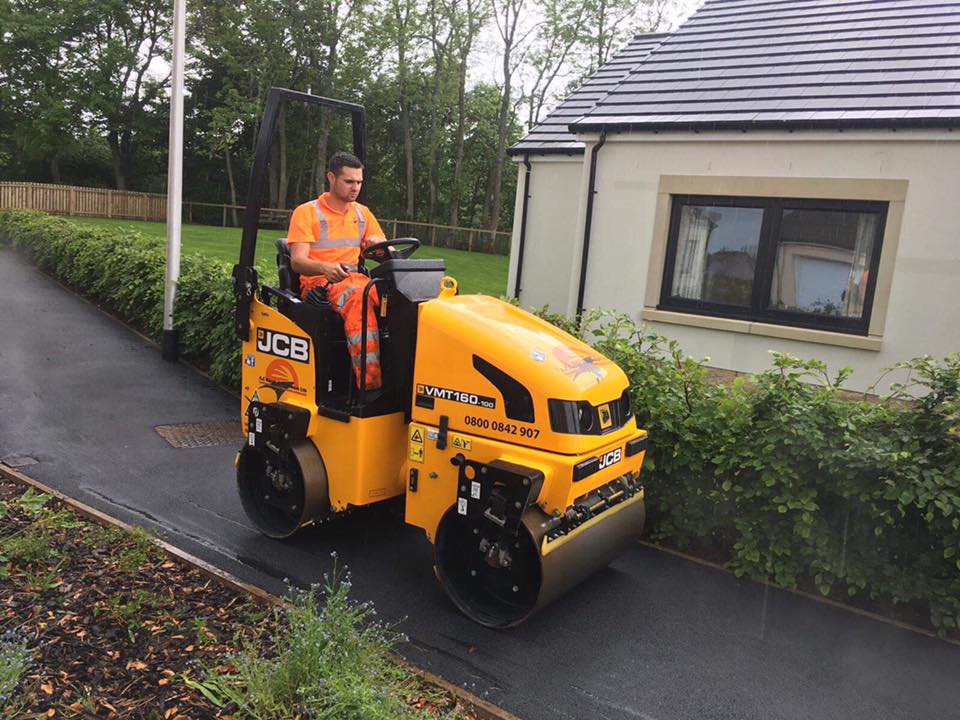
(578, 417)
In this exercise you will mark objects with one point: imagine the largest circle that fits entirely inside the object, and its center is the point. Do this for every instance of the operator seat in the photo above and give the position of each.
(289, 280)
(324, 326)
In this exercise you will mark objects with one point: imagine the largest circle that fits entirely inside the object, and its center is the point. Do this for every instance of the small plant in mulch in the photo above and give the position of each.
(14, 661)
(97, 622)
(327, 656)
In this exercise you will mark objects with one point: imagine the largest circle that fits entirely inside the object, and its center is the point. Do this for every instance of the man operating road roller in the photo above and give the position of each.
(326, 236)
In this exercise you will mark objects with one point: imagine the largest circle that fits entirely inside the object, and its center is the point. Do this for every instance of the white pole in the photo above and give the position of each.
(174, 183)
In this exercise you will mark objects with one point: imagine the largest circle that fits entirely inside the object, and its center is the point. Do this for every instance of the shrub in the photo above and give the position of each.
(15, 659)
(787, 479)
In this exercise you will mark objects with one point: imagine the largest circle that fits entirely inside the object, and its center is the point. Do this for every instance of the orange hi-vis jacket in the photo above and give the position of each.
(337, 237)
(334, 237)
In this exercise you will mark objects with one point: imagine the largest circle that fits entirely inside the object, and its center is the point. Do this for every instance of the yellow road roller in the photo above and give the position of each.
(513, 444)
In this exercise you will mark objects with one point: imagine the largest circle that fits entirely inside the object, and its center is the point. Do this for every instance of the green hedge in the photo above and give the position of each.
(781, 476)
(786, 477)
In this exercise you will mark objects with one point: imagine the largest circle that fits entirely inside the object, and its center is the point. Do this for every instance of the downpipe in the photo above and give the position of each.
(523, 225)
(591, 191)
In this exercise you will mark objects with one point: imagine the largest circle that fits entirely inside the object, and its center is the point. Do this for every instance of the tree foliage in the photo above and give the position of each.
(448, 86)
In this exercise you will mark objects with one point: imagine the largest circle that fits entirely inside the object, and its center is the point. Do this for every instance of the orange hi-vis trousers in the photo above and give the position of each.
(346, 297)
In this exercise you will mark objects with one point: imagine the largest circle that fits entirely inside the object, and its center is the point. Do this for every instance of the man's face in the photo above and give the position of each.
(346, 185)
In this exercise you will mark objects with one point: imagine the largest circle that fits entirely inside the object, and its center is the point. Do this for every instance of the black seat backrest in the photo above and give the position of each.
(289, 280)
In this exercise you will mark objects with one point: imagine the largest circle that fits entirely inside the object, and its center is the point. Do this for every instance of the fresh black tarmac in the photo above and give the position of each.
(653, 636)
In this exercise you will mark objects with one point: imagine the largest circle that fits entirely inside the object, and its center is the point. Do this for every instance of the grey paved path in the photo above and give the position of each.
(651, 637)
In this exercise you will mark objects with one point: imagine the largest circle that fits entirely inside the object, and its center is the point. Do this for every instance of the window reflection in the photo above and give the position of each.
(822, 264)
(717, 253)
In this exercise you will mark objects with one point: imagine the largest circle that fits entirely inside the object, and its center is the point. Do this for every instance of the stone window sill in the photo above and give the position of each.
(747, 327)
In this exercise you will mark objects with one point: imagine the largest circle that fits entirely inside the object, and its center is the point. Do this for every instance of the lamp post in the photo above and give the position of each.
(168, 342)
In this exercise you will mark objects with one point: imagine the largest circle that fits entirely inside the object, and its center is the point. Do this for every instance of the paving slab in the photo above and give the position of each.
(652, 636)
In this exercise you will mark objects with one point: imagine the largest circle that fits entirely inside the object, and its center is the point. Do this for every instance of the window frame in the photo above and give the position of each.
(759, 309)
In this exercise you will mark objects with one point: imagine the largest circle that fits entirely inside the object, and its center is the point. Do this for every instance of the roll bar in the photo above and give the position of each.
(245, 281)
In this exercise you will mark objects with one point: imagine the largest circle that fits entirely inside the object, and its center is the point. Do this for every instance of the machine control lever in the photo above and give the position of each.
(442, 432)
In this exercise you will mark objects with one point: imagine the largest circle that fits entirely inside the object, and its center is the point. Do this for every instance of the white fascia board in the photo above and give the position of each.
(766, 136)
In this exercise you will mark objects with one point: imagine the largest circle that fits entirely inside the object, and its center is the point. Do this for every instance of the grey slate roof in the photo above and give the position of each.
(788, 64)
(551, 136)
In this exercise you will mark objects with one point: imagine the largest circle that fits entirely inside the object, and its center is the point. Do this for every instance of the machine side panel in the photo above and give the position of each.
(363, 457)
(279, 362)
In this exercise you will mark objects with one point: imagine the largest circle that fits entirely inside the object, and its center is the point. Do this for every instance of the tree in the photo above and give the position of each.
(399, 35)
(264, 43)
(83, 92)
(465, 23)
(122, 92)
(506, 15)
(39, 107)
(555, 42)
(323, 31)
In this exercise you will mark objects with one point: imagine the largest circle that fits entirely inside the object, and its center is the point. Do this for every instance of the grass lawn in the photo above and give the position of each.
(476, 272)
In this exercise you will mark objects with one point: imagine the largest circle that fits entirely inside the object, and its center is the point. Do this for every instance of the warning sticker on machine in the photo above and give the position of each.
(467, 398)
(416, 443)
(462, 506)
(461, 443)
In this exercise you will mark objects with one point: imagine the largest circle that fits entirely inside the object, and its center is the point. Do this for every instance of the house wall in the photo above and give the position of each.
(920, 259)
(551, 230)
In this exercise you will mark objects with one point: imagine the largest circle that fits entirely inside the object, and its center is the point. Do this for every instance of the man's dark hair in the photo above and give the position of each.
(343, 159)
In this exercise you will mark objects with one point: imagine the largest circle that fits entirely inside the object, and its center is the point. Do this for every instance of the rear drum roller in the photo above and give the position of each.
(284, 491)
(503, 587)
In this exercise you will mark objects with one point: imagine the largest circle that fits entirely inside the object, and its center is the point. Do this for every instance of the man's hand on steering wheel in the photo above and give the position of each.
(383, 251)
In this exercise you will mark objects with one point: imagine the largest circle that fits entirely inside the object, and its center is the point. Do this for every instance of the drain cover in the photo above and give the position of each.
(209, 434)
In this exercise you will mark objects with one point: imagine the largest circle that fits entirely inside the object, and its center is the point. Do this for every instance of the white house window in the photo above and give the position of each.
(808, 263)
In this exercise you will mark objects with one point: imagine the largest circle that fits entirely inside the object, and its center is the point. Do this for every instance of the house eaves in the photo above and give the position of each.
(551, 136)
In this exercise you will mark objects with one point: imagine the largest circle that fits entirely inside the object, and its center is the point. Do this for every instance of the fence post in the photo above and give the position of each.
(394, 228)
(433, 236)
(224, 216)
(109, 203)
(73, 201)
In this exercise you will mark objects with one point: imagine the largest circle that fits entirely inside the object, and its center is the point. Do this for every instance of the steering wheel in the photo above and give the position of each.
(383, 251)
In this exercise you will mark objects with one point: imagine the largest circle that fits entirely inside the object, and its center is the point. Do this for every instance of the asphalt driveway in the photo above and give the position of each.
(652, 636)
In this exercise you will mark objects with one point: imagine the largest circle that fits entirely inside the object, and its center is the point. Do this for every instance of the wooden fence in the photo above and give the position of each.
(124, 205)
(91, 202)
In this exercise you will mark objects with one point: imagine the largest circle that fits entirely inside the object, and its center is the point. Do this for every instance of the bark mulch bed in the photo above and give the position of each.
(114, 624)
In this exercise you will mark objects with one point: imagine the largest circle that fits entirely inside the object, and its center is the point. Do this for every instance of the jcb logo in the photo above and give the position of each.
(611, 458)
(283, 345)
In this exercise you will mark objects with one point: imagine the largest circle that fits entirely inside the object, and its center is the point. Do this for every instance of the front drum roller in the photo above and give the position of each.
(539, 572)
(283, 491)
